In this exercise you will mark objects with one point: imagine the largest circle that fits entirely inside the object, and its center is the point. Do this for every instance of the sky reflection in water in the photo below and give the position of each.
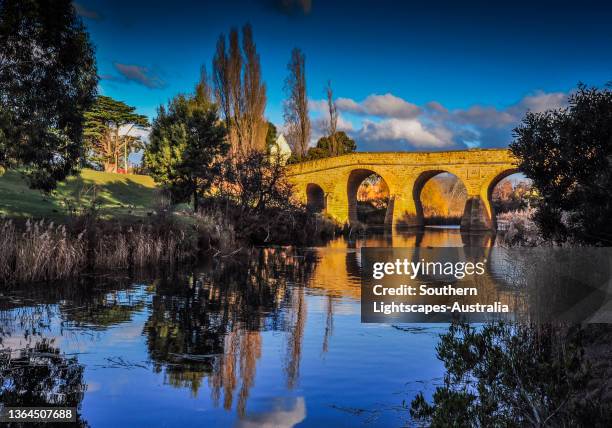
(276, 343)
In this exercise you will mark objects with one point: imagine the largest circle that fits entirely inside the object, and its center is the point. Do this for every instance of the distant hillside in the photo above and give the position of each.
(117, 195)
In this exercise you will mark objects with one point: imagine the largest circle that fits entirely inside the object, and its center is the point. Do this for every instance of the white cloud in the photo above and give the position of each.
(349, 105)
(387, 105)
(317, 106)
(436, 107)
(541, 101)
(320, 124)
(410, 131)
(393, 120)
(491, 117)
(381, 122)
(343, 124)
(487, 117)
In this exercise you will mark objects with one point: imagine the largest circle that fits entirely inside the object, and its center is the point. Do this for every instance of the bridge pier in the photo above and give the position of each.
(476, 214)
(338, 206)
(404, 211)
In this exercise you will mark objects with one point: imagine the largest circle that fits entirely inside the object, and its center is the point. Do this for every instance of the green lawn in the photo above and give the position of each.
(117, 195)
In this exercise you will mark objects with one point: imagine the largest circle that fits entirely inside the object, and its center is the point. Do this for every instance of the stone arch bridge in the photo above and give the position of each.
(331, 184)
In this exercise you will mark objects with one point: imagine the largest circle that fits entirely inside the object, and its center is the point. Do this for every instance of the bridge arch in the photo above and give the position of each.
(417, 190)
(355, 178)
(315, 198)
(488, 196)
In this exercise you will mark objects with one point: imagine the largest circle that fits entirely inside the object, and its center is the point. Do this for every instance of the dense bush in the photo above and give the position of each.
(507, 375)
(568, 155)
(257, 199)
(520, 228)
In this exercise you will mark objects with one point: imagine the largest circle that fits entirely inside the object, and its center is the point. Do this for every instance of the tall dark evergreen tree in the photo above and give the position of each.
(187, 146)
(271, 136)
(47, 80)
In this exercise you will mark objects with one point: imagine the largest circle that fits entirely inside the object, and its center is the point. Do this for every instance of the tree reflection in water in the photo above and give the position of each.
(211, 328)
(41, 376)
(33, 370)
(202, 329)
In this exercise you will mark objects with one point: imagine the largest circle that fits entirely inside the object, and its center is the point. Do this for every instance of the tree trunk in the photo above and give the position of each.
(195, 200)
(125, 160)
(117, 148)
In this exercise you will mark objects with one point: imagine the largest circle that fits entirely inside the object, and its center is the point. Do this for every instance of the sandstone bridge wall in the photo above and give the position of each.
(331, 183)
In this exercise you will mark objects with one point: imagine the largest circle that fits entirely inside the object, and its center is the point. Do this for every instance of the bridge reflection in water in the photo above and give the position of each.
(339, 269)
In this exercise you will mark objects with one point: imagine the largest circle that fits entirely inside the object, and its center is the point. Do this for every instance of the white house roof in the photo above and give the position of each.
(281, 147)
(282, 144)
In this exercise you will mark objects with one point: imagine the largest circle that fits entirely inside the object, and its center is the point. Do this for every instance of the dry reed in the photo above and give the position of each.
(39, 251)
(44, 251)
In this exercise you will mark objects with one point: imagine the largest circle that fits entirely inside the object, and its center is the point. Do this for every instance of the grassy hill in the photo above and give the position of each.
(117, 195)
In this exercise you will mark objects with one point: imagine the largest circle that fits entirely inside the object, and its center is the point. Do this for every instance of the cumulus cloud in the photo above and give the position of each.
(394, 123)
(140, 75)
(388, 122)
(486, 117)
(410, 131)
(344, 125)
(436, 107)
(493, 127)
(539, 102)
(320, 127)
(387, 105)
(318, 106)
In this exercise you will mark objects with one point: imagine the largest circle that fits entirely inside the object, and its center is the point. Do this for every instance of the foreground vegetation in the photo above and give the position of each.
(507, 375)
(45, 251)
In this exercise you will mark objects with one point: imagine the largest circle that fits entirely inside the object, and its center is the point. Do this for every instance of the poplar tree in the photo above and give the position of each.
(240, 91)
(297, 121)
(333, 120)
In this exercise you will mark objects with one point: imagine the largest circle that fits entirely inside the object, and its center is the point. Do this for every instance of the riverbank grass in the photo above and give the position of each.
(116, 196)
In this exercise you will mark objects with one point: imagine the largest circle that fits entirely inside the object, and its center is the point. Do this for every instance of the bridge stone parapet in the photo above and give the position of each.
(331, 184)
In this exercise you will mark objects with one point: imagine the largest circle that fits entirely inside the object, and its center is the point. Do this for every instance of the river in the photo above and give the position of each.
(276, 342)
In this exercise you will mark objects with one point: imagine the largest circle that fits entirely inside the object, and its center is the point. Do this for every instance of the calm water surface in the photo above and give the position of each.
(277, 342)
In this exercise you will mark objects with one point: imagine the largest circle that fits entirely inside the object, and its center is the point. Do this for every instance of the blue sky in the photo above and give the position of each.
(408, 76)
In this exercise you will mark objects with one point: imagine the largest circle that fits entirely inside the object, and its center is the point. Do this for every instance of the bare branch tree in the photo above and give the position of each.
(254, 94)
(240, 91)
(235, 86)
(333, 119)
(203, 93)
(221, 81)
(296, 104)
